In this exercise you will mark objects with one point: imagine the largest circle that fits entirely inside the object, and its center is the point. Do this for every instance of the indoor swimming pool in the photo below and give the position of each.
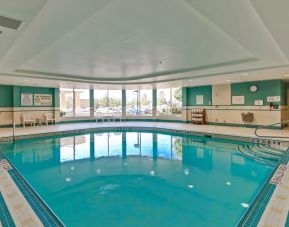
(147, 178)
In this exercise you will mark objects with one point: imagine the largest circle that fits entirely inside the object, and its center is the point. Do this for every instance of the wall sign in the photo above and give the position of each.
(273, 99)
(200, 100)
(26, 99)
(42, 100)
(259, 102)
(240, 100)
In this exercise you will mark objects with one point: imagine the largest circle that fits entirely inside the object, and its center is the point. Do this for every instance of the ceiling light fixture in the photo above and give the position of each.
(286, 75)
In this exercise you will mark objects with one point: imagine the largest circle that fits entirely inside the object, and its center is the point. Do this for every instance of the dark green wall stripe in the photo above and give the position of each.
(6, 96)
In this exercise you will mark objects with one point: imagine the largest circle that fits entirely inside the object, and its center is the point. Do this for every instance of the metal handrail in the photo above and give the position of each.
(265, 126)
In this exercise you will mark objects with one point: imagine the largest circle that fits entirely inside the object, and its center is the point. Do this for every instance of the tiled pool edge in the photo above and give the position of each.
(46, 216)
(42, 211)
(5, 216)
(253, 215)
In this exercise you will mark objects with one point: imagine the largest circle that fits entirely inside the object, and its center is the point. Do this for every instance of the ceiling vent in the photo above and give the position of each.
(9, 23)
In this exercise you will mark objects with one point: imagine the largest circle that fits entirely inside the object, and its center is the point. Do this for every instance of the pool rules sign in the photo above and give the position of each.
(42, 100)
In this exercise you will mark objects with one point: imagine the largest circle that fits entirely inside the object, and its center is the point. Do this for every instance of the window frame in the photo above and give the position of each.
(171, 101)
(74, 90)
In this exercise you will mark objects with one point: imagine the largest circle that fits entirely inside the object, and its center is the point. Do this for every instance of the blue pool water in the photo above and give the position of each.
(140, 178)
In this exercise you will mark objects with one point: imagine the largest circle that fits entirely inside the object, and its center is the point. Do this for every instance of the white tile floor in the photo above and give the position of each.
(276, 212)
(224, 130)
(21, 212)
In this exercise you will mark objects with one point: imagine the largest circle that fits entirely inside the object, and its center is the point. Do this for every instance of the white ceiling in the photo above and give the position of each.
(140, 43)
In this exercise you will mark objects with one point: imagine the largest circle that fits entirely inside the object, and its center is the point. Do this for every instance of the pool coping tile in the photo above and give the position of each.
(5, 216)
(254, 214)
(25, 207)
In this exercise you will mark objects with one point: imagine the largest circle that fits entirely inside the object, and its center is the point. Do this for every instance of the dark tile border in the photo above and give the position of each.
(46, 216)
(253, 215)
(43, 212)
(5, 216)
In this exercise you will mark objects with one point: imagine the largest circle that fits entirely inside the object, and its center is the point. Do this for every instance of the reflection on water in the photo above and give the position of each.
(121, 144)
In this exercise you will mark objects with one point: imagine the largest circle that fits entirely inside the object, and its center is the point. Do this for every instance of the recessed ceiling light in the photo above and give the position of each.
(228, 80)
(286, 75)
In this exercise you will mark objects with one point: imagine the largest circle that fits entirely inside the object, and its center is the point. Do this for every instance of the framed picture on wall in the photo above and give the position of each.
(26, 99)
(200, 100)
(42, 100)
(238, 100)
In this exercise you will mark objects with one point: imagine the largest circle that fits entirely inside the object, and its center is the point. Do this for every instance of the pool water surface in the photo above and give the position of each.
(126, 178)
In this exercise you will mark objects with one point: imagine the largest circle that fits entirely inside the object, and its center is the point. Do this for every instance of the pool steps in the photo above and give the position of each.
(261, 153)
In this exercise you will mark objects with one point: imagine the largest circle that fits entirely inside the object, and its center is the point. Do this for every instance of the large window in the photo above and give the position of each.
(74, 102)
(146, 102)
(139, 102)
(66, 102)
(82, 106)
(107, 102)
(169, 102)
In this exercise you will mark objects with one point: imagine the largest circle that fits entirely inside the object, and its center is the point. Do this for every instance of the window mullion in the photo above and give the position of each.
(74, 102)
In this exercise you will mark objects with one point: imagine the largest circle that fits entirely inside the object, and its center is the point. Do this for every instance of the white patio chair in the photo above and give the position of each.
(28, 118)
(49, 117)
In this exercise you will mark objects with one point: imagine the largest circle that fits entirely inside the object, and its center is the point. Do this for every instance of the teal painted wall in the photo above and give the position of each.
(192, 92)
(11, 95)
(184, 96)
(284, 89)
(6, 96)
(37, 90)
(16, 96)
(265, 88)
